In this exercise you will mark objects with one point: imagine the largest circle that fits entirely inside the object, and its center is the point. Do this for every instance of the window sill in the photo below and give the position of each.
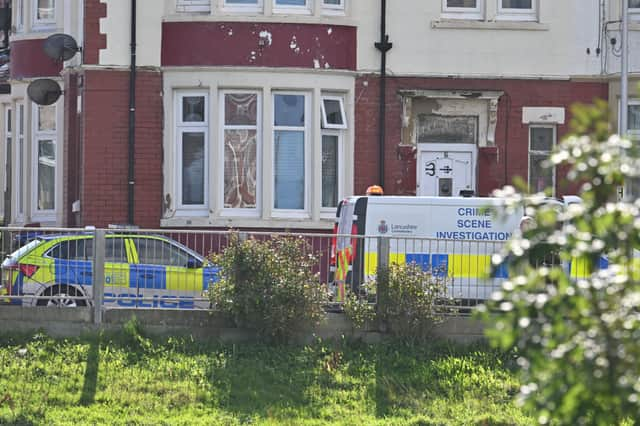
(464, 24)
(240, 222)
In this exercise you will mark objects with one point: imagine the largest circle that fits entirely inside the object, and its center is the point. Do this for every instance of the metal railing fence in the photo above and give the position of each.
(171, 269)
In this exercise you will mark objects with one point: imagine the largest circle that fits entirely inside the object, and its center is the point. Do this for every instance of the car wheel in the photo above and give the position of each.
(61, 299)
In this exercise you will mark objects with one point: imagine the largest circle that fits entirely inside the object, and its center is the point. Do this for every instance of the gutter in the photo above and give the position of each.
(132, 119)
(383, 46)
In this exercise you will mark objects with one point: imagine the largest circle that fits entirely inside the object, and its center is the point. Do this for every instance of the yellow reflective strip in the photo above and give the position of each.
(183, 279)
(469, 265)
(371, 261)
(580, 267)
(132, 253)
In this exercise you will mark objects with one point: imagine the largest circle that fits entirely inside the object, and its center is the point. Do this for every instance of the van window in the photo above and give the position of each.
(345, 222)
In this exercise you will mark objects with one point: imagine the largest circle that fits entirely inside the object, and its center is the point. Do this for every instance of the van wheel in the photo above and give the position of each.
(61, 299)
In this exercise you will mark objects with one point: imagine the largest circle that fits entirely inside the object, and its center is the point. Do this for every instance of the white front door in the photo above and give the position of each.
(446, 169)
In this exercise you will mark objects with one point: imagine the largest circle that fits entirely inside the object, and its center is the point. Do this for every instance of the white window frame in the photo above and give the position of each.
(8, 141)
(325, 122)
(334, 8)
(632, 133)
(42, 135)
(195, 127)
(307, 9)
(241, 212)
(305, 211)
(193, 6)
(512, 14)
(43, 23)
(476, 13)
(330, 212)
(19, 13)
(19, 170)
(231, 7)
(554, 142)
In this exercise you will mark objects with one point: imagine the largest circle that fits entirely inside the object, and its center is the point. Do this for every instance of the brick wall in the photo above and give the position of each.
(93, 39)
(105, 129)
(496, 167)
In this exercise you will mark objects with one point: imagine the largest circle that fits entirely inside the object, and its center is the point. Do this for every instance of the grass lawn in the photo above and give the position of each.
(129, 379)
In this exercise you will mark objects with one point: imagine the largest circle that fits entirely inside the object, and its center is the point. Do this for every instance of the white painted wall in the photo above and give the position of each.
(117, 26)
(425, 44)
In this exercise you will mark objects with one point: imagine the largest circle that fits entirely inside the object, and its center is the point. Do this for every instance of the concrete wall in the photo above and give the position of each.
(200, 324)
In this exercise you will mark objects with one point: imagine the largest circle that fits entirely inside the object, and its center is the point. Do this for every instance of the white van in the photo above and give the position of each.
(454, 237)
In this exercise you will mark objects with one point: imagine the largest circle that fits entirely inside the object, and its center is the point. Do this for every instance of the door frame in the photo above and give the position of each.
(448, 147)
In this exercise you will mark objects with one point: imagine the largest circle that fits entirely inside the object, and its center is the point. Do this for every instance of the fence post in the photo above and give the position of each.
(382, 281)
(98, 275)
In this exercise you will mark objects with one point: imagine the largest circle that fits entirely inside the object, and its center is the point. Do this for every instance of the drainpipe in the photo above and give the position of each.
(132, 116)
(383, 46)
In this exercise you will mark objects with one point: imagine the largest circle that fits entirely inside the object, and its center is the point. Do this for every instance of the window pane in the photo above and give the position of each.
(115, 251)
(541, 138)
(158, 252)
(291, 2)
(462, 3)
(517, 4)
(46, 10)
(333, 111)
(192, 168)
(540, 177)
(333, 2)
(193, 109)
(240, 168)
(46, 174)
(241, 1)
(633, 119)
(47, 118)
(289, 170)
(329, 171)
(289, 110)
(634, 4)
(240, 109)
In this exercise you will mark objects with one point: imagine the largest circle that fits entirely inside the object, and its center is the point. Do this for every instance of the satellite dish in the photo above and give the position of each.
(60, 47)
(44, 91)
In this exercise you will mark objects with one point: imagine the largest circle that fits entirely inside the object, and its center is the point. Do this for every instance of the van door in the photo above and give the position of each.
(446, 169)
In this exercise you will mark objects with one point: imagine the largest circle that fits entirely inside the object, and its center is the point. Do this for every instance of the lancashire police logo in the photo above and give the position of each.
(383, 228)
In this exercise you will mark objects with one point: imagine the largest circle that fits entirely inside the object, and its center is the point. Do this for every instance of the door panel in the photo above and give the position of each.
(446, 172)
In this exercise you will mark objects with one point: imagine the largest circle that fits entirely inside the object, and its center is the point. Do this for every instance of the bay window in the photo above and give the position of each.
(289, 153)
(44, 157)
(242, 150)
(19, 169)
(268, 156)
(44, 12)
(192, 127)
(292, 6)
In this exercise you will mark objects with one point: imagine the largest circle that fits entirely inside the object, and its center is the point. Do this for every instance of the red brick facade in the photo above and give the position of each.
(104, 163)
(497, 166)
(93, 39)
(29, 60)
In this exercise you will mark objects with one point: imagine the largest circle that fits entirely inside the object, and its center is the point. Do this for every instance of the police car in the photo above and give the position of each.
(141, 270)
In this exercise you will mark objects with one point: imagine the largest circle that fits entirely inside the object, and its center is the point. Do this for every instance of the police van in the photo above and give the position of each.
(453, 237)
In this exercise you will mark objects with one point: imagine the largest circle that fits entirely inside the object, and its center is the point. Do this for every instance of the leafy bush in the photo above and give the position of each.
(269, 286)
(409, 301)
(578, 334)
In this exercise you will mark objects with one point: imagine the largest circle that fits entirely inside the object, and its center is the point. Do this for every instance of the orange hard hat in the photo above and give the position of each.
(375, 190)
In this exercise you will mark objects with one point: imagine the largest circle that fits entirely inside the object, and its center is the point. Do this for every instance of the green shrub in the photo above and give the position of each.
(577, 338)
(269, 286)
(409, 301)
